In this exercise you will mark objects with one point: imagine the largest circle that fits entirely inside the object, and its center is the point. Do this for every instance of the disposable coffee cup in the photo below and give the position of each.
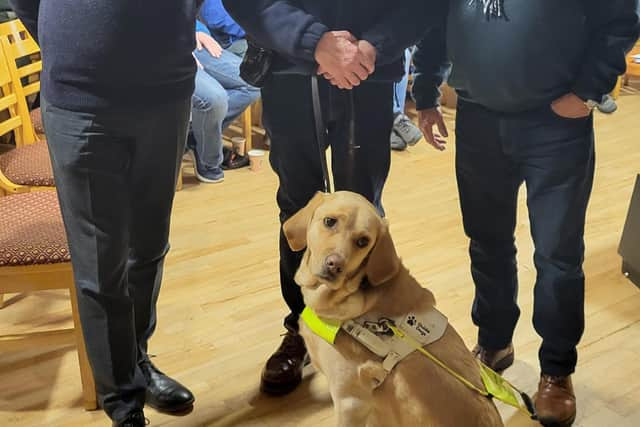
(238, 143)
(256, 159)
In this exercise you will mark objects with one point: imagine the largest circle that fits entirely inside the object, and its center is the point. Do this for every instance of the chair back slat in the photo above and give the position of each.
(10, 124)
(18, 47)
(23, 48)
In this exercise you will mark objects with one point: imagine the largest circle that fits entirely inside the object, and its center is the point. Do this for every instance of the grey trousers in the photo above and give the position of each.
(115, 175)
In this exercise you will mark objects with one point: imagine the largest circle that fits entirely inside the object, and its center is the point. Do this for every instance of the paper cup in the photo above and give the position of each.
(238, 144)
(256, 159)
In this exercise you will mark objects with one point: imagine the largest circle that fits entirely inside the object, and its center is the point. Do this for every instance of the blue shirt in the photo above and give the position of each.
(215, 20)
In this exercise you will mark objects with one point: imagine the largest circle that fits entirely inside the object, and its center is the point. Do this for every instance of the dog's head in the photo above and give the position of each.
(348, 247)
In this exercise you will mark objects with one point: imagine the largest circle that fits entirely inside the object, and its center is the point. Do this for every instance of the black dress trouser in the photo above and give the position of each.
(115, 174)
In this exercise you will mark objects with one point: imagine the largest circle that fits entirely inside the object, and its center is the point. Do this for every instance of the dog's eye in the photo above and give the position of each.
(362, 242)
(330, 222)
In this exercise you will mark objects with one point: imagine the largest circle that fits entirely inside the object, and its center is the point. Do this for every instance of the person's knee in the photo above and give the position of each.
(148, 252)
(212, 102)
(254, 94)
(491, 248)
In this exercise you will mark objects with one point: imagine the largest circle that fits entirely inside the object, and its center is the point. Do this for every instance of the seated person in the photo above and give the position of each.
(223, 28)
(220, 97)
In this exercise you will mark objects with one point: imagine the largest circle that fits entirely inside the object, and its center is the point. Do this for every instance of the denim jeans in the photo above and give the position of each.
(400, 88)
(554, 158)
(115, 174)
(219, 98)
(238, 47)
(294, 156)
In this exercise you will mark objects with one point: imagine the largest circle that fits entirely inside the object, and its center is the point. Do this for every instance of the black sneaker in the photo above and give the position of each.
(233, 160)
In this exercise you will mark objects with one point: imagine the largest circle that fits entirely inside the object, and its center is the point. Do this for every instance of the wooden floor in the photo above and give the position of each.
(220, 310)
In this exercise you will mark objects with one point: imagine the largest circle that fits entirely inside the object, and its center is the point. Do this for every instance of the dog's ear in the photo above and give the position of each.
(383, 261)
(295, 228)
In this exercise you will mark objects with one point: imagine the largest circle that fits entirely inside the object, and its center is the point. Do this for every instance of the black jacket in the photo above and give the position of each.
(540, 51)
(292, 28)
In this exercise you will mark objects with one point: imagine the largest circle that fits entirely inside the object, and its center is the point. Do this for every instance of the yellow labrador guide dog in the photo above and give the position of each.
(352, 279)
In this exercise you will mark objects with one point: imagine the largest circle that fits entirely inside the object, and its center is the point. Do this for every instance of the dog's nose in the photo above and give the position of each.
(334, 264)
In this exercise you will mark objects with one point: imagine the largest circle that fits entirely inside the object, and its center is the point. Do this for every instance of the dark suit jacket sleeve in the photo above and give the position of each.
(278, 25)
(613, 26)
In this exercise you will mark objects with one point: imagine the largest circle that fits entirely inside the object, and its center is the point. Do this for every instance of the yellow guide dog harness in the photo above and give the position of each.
(396, 338)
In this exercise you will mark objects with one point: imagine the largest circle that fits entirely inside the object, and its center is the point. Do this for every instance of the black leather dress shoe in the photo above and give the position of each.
(283, 371)
(163, 393)
(134, 419)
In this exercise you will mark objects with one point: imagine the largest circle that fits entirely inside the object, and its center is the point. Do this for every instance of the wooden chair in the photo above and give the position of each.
(28, 166)
(633, 68)
(23, 49)
(34, 256)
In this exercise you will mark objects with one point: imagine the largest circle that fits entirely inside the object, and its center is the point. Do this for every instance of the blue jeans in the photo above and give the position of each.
(400, 88)
(554, 157)
(219, 98)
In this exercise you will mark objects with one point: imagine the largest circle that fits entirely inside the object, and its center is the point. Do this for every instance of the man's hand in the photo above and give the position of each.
(205, 41)
(342, 61)
(570, 106)
(429, 118)
(370, 54)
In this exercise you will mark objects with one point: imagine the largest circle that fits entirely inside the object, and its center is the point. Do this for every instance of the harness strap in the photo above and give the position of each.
(491, 379)
(437, 361)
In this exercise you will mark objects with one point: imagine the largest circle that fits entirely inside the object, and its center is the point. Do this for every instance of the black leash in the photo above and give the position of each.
(321, 135)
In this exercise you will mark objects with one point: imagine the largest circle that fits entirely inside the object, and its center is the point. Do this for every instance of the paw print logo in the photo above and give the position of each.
(411, 320)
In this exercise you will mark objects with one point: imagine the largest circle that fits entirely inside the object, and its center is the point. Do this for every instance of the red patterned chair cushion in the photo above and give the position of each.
(31, 230)
(28, 165)
(36, 120)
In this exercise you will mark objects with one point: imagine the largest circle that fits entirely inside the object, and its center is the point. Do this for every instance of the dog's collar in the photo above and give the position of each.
(372, 331)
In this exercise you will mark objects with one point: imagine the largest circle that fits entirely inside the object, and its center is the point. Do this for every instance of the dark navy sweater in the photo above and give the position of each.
(292, 28)
(542, 50)
(111, 54)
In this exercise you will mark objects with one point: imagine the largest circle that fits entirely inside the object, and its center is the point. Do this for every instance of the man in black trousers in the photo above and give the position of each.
(528, 75)
(116, 94)
(357, 47)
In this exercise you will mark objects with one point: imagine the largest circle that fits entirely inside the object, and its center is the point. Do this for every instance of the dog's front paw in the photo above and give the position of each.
(372, 374)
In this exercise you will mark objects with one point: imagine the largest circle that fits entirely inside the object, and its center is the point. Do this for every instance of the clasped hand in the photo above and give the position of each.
(344, 60)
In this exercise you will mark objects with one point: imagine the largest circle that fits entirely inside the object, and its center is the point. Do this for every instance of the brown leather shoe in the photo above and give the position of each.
(555, 401)
(283, 371)
(498, 360)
